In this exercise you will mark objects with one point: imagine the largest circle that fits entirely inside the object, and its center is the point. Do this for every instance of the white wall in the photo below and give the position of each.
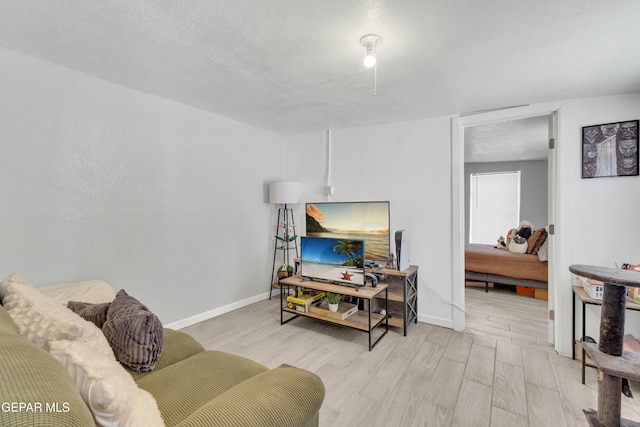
(161, 199)
(167, 201)
(408, 164)
(598, 217)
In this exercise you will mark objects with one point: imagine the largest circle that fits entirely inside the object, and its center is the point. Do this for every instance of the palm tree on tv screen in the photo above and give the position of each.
(351, 249)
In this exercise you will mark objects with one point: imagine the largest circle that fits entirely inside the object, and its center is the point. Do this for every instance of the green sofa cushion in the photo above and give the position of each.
(183, 387)
(30, 375)
(295, 394)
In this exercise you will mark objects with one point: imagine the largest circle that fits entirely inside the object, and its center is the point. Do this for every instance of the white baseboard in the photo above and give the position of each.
(438, 321)
(179, 324)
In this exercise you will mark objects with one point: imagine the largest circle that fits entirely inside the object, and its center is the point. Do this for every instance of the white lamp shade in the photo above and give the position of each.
(284, 192)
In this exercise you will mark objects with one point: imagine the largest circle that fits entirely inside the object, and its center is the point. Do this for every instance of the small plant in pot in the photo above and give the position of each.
(333, 300)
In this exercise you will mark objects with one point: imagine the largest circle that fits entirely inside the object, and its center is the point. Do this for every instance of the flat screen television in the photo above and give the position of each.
(368, 221)
(335, 260)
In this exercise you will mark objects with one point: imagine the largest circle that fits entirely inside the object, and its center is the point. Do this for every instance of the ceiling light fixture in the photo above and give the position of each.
(370, 42)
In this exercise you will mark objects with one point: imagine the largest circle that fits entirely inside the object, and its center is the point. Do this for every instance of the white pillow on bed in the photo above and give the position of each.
(518, 248)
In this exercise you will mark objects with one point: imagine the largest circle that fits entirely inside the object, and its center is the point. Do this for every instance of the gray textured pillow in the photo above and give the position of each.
(95, 313)
(134, 333)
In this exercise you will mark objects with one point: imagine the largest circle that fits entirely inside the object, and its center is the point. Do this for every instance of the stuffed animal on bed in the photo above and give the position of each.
(524, 229)
(518, 245)
(502, 244)
(510, 235)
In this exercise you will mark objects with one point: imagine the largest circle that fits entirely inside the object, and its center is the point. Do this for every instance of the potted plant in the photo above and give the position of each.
(333, 300)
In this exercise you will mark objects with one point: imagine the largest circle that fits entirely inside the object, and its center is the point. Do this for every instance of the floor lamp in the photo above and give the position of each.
(284, 193)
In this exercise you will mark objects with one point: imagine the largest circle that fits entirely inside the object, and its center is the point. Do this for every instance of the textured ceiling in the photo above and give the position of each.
(511, 140)
(296, 66)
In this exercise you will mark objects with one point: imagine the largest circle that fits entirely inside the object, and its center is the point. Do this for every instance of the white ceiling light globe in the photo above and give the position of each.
(369, 61)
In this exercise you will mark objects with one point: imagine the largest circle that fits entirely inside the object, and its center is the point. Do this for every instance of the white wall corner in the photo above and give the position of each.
(434, 320)
(201, 317)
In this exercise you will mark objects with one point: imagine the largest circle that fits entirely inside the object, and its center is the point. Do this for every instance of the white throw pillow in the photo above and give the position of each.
(108, 390)
(42, 320)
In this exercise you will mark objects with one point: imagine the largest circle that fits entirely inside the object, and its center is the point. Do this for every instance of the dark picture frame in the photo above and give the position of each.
(610, 149)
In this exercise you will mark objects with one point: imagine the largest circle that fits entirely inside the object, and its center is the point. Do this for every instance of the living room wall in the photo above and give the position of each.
(533, 189)
(408, 164)
(158, 198)
(596, 217)
(168, 201)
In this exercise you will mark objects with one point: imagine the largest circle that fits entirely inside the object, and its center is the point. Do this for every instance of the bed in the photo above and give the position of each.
(488, 264)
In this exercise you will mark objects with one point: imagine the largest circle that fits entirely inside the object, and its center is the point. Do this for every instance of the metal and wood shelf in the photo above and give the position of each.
(285, 240)
(585, 299)
(402, 294)
(363, 320)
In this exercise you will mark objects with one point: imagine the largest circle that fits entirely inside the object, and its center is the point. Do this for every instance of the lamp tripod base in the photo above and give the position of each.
(285, 241)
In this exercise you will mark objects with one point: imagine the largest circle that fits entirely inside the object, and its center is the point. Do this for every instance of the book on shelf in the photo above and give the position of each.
(306, 299)
(302, 302)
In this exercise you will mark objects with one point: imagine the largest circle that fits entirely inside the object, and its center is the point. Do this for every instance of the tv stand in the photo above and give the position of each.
(403, 295)
(355, 286)
(363, 320)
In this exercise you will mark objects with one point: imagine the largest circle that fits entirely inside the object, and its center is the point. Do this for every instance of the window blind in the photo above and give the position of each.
(494, 205)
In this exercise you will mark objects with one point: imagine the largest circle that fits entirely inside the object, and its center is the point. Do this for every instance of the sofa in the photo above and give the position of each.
(43, 382)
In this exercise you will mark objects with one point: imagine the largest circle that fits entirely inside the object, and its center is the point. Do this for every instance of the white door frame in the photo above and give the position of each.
(458, 125)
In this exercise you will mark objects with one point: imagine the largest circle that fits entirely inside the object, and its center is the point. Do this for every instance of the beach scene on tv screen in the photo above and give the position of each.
(368, 221)
(334, 260)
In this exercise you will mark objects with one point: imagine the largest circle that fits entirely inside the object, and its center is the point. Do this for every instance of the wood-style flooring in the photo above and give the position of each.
(499, 372)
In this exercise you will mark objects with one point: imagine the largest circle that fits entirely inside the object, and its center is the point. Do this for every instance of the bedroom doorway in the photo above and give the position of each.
(490, 155)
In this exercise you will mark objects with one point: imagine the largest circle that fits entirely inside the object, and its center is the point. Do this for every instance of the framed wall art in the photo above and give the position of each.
(610, 149)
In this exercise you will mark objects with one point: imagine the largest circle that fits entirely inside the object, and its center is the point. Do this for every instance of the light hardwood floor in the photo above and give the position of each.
(499, 372)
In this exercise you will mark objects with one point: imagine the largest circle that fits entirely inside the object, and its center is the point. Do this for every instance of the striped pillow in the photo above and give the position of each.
(134, 333)
(95, 313)
(536, 240)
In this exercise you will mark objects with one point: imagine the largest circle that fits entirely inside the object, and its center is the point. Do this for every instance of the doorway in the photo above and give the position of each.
(459, 127)
(506, 174)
